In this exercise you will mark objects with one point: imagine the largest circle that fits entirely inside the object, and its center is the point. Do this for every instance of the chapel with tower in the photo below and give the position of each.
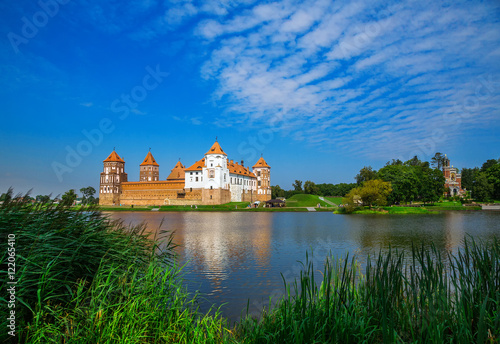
(453, 179)
(211, 180)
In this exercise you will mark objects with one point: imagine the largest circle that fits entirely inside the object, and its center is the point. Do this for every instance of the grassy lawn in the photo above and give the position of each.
(336, 200)
(303, 200)
(394, 210)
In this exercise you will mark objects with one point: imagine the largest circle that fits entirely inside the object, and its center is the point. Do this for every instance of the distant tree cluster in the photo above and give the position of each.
(483, 183)
(312, 188)
(410, 181)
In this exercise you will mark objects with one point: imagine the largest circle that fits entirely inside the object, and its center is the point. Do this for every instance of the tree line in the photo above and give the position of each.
(404, 182)
(68, 198)
(312, 188)
(483, 182)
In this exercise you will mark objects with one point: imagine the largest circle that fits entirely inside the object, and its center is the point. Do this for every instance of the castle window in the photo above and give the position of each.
(191, 173)
(259, 182)
(196, 178)
(211, 187)
(258, 173)
(210, 196)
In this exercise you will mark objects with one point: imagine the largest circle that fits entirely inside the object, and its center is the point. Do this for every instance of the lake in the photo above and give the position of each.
(233, 257)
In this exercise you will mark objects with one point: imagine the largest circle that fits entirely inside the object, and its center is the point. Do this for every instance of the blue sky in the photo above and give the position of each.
(320, 88)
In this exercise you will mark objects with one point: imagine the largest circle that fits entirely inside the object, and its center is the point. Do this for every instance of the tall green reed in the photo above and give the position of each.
(82, 278)
(416, 297)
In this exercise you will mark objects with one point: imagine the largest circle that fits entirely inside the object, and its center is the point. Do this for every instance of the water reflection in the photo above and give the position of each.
(233, 257)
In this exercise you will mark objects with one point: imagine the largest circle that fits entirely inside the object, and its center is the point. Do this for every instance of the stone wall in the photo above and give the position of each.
(109, 199)
(215, 196)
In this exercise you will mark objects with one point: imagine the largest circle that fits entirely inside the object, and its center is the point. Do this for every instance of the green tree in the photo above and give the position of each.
(352, 200)
(493, 176)
(415, 161)
(69, 197)
(297, 185)
(88, 195)
(404, 182)
(277, 191)
(393, 162)
(489, 163)
(482, 189)
(310, 188)
(431, 184)
(469, 176)
(375, 192)
(43, 198)
(437, 161)
(365, 174)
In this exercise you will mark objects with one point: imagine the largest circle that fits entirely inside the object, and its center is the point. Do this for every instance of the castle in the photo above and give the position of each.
(212, 180)
(453, 180)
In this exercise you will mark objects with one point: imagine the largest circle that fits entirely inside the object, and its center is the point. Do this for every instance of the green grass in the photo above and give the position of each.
(304, 200)
(336, 200)
(448, 204)
(390, 210)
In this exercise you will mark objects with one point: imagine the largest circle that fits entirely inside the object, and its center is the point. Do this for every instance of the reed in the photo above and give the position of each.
(423, 297)
(84, 279)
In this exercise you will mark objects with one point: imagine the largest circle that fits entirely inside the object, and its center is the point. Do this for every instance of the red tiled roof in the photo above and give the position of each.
(261, 163)
(149, 160)
(197, 166)
(216, 149)
(113, 157)
(236, 168)
(178, 172)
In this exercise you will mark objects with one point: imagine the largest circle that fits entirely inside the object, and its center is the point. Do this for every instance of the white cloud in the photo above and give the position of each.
(355, 72)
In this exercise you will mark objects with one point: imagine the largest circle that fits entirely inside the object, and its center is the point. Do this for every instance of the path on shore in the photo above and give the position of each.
(327, 201)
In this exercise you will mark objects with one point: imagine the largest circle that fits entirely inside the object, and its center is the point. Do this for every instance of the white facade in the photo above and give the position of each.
(216, 172)
(194, 179)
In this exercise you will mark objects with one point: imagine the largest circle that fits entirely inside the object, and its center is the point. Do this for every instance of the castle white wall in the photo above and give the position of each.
(194, 179)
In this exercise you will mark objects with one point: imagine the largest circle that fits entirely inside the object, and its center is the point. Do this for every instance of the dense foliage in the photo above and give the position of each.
(411, 181)
(484, 182)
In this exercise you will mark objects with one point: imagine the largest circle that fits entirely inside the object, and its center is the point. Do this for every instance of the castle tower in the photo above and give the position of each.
(215, 176)
(150, 170)
(263, 172)
(111, 178)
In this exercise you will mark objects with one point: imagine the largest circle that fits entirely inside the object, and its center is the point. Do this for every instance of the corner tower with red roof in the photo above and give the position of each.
(150, 169)
(263, 173)
(112, 177)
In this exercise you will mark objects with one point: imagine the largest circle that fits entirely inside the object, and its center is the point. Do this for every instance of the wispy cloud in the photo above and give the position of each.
(363, 75)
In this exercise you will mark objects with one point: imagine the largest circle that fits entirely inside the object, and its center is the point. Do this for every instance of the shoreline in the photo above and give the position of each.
(383, 211)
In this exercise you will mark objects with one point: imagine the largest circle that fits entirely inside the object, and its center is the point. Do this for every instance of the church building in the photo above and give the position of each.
(211, 180)
(453, 179)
